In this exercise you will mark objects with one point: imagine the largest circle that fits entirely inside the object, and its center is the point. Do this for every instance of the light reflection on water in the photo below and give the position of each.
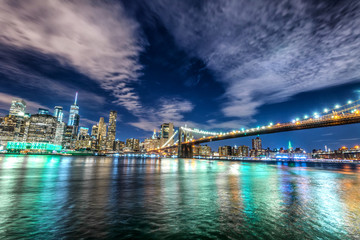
(52, 197)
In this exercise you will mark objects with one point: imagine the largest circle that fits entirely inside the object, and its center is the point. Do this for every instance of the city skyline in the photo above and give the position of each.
(158, 75)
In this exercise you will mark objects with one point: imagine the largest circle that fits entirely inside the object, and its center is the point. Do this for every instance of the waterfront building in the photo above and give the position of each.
(43, 111)
(74, 110)
(225, 151)
(241, 151)
(151, 143)
(69, 138)
(18, 107)
(202, 150)
(256, 144)
(84, 141)
(111, 131)
(133, 144)
(58, 113)
(166, 132)
(7, 130)
(41, 128)
(59, 134)
(119, 146)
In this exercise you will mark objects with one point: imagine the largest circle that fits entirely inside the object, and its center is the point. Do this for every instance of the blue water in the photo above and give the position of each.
(52, 197)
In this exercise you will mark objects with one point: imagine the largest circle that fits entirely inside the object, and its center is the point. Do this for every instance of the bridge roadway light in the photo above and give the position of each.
(337, 106)
(349, 102)
(306, 117)
(326, 110)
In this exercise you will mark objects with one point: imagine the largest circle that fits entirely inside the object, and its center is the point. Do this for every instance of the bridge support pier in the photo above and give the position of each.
(185, 151)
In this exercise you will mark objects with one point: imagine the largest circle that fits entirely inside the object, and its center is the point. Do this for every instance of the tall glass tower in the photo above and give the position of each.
(18, 107)
(111, 130)
(74, 110)
(58, 113)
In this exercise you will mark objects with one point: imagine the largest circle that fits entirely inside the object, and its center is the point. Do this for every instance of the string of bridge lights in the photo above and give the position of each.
(328, 111)
(337, 108)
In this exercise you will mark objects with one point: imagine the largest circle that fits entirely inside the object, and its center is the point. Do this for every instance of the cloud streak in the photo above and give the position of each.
(267, 51)
(98, 40)
(167, 110)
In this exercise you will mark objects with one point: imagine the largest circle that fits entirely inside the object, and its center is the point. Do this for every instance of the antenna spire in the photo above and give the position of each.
(76, 96)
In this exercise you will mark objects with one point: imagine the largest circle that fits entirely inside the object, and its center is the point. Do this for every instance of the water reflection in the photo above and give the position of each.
(97, 197)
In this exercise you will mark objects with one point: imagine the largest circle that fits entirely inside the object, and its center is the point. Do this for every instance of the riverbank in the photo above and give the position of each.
(350, 161)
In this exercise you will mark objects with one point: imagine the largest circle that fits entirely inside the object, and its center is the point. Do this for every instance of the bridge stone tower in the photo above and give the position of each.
(185, 150)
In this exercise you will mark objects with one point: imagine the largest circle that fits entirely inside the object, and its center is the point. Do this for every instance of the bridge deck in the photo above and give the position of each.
(326, 121)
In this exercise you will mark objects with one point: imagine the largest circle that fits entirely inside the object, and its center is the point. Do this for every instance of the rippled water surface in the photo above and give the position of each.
(51, 197)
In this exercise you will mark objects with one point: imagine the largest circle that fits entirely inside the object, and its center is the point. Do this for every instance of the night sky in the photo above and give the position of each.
(214, 65)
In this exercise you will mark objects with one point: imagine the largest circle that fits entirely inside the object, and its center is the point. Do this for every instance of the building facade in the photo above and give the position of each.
(18, 107)
(41, 128)
(166, 132)
(111, 131)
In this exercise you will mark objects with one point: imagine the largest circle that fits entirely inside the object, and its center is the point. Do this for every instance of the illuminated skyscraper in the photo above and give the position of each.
(133, 144)
(102, 135)
(59, 134)
(76, 123)
(101, 128)
(154, 136)
(58, 113)
(83, 131)
(95, 131)
(166, 132)
(74, 110)
(111, 130)
(43, 111)
(18, 107)
(256, 144)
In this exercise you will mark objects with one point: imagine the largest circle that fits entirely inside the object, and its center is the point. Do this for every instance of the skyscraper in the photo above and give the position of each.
(154, 136)
(256, 144)
(43, 111)
(95, 131)
(76, 123)
(58, 113)
(101, 128)
(18, 107)
(166, 132)
(59, 134)
(133, 144)
(111, 130)
(102, 135)
(74, 110)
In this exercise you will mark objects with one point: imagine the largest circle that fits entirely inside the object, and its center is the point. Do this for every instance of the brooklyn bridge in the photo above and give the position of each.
(183, 139)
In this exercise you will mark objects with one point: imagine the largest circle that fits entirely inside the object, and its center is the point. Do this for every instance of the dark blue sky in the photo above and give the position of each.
(216, 65)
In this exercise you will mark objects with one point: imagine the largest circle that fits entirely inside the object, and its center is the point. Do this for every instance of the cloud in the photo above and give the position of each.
(167, 110)
(267, 51)
(349, 139)
(98, 40)
(6, 99)
(327, 134)
(22, 76)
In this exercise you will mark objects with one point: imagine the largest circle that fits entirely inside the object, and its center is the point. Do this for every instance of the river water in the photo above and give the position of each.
(53, 197)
